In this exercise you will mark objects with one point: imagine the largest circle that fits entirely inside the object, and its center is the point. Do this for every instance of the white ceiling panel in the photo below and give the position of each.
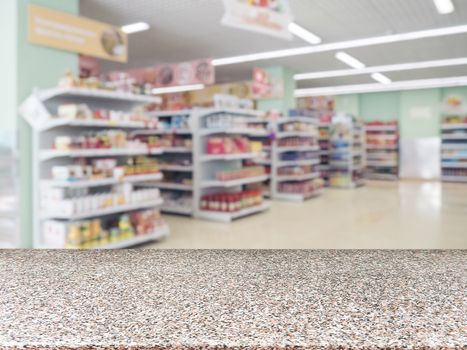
(190, 29)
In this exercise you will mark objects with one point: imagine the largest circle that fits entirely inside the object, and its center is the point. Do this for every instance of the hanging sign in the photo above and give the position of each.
(271, 17)
(264, 86)
(185, 73)
(454, 104)
(63, 31)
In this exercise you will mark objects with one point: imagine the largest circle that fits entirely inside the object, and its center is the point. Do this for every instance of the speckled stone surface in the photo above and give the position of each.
(148, 299)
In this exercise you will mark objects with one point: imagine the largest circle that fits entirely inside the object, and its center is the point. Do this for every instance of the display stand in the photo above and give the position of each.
(347, 152)
(295, 157)
(176, 162)
(454, 149)
(224, 200)
(324, 145)
(39, 110)
(382, 145)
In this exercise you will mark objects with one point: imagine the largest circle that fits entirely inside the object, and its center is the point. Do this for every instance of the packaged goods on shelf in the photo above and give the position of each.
(226, 101)
(298, 126)
(175, 122)
(226, 121)
(229, 175)
(166, 141)
(294, 155)
(180, 178)
(101, 232)
(455, 172)
(295, 170)
(71, 201)
(455, 119)
(296, 141)
(231, 202)
(104, 139)
(232, 145)
(303, 187)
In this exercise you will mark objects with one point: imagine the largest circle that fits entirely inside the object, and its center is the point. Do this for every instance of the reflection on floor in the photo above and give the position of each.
(381, 215)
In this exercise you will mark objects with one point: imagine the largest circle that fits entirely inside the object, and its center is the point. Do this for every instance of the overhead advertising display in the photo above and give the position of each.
(165, 75)
(63, 31)
(265, 86)
(271, 17)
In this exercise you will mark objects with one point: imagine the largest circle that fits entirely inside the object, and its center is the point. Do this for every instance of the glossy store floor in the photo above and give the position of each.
(381, 215)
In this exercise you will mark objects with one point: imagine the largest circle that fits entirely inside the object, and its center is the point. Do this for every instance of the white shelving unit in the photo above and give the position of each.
(294, 156)
(177, 161)
(347, 152)
(324, 145)
(38, 110)
(454, 152)
(382, 151)
(207, 165)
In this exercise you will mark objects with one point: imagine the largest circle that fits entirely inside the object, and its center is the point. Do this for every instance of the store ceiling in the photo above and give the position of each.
(183, 30)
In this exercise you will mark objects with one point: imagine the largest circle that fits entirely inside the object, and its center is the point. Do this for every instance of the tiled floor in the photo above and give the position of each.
(381, 215)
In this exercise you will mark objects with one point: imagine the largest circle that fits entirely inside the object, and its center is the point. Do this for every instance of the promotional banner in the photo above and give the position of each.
(265, 87)
(185, 73)
(270, 17)
(77, 34)
(454, 104)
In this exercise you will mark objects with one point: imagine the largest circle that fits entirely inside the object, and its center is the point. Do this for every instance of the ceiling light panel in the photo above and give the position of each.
(135, 27)
(304, 34)
(349, 60)
(444, 6)
(381, 78)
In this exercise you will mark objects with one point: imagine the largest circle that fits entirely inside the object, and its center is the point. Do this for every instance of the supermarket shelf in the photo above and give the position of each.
(233, 183)
(180, 168)
(250, 132)
(454, 126)
(158, 234)
(381, 127)
(453, 157)
(255, 116)
(302, 119)
(228, 217)
(177, 150)
(177, 210)
(376, 176)
(453, 178)
(454, 146)
(453, 165)
(48, 94)
(314, 161)
(106, 211)
(59, 122)
(381, 136)
(303, 177)
(324, 125)
(173, 186)
(211, 157)
(51, 154)
(163, 132)
(298, 197)
(298, 149)
(381, 163)
(283, 134)
(102, 182)
(389, 147)
(171, 113)
(454, 137)
(262, 161)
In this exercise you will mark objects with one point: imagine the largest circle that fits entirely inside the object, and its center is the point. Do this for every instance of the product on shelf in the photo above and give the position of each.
(232, 145)
(301, 187)
(293, 125)
(180, 178)
(455, 119)
(104, 139)
(166, 141)
(229, 175)
(226, 121)
(296, 142)
(301, 155)
(295, 170)
(99, 232)
(71, 201)
(231, 202)
(231, 101)
(176, 122)
(455, 172)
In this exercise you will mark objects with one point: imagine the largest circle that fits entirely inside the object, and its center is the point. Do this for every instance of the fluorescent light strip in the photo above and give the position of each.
(349, 60)
(135, 27)
(381, 78)
(395, 86)
(173, 89)
(304, 34)
(444, 6)
(430, 33)
(387, 68)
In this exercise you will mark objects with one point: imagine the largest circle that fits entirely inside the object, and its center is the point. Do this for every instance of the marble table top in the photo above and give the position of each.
(218, 299)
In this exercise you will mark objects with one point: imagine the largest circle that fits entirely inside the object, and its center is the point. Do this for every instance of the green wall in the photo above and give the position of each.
(40, 67)
(418, 111)
(288, 101)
